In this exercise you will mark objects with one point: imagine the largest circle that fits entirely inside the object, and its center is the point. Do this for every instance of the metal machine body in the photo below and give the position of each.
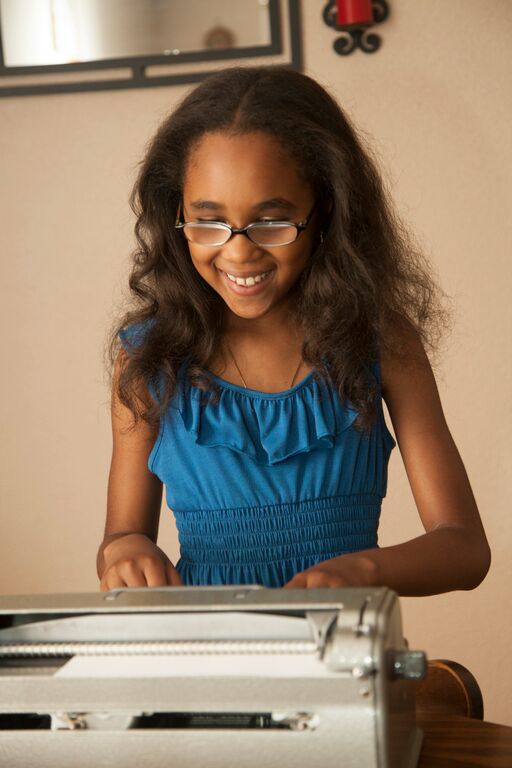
(208, 676)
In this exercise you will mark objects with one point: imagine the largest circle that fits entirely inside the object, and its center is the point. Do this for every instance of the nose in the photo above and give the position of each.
(239, 246)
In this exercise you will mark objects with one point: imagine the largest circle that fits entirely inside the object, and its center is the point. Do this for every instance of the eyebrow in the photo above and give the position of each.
(272, 203)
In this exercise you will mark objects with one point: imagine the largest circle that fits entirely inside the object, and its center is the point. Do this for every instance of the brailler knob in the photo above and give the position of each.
(408, 665)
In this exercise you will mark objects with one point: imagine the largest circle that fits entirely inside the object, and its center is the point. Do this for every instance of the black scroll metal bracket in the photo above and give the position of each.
(356, 36)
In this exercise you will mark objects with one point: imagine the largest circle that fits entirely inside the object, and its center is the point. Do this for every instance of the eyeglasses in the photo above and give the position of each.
(267, 233)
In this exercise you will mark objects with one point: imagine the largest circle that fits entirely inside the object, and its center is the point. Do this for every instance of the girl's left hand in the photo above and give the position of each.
(344, 571)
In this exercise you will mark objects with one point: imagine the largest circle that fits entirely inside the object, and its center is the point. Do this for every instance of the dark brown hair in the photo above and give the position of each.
(365, 281)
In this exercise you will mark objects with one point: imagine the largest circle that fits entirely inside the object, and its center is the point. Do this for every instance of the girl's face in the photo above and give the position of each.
(240, 179)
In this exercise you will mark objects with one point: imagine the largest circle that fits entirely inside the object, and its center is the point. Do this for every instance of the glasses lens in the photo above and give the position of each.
(207, 234)
(272, 233)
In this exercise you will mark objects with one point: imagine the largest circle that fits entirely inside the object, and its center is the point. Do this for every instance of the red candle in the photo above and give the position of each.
(354, 12)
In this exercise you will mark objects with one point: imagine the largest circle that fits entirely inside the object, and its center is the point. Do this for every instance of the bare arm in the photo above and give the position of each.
(454, 552)
(128, 555)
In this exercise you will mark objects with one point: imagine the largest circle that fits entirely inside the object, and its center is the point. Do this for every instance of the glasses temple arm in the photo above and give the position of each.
(178, 213)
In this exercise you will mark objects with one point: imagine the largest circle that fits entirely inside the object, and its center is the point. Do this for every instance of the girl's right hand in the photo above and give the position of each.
(134, 560)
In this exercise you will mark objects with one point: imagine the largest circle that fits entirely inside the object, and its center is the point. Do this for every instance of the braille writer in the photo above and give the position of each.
(278, 300)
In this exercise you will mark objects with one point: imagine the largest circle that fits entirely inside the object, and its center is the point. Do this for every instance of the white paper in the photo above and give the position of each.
(218, 665)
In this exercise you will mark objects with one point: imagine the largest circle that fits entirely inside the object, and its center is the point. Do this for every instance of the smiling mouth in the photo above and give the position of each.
(248, 280)
(252, 284)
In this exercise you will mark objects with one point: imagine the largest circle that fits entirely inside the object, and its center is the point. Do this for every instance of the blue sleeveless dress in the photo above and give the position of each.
(264, 485)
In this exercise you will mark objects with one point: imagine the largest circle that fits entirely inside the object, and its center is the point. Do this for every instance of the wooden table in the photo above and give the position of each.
(454, 741)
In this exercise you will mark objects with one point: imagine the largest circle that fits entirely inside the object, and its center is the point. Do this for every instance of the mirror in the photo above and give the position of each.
(39, 37)
(68, 31)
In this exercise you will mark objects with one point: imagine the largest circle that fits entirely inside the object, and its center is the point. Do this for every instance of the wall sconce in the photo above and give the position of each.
(353, 18)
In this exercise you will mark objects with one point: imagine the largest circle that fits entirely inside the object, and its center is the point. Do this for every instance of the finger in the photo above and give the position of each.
(321, 579)
(155, 573)
(299, 581)
(173, 577)
(316, 579)
(132, 574)
(111, 580)
(338, 581)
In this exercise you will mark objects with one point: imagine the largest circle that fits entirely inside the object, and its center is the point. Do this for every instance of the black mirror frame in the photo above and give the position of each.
(138, 64)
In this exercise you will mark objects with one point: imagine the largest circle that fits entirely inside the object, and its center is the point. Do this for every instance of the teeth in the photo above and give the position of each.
(249, 280)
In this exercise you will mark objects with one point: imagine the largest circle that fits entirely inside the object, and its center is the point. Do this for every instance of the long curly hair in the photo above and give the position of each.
(365, 283)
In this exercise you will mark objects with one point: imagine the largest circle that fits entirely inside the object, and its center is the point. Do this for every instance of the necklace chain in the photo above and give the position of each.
(240, 372)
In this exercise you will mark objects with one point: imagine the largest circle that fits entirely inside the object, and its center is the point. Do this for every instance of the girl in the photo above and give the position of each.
(278, 299)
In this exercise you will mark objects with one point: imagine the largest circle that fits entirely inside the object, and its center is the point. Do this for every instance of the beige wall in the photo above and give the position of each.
(436, 102)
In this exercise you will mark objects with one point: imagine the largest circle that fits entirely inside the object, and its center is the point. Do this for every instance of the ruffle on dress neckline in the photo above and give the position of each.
(269, 427)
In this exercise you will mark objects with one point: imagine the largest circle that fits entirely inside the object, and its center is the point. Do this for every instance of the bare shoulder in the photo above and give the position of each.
(408, 383)
(122, 417)
(412, 357)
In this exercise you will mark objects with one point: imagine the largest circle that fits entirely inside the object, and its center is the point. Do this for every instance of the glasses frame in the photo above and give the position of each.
(221, 225)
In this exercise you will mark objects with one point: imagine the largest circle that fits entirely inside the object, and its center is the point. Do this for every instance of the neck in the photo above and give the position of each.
(275, 324)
